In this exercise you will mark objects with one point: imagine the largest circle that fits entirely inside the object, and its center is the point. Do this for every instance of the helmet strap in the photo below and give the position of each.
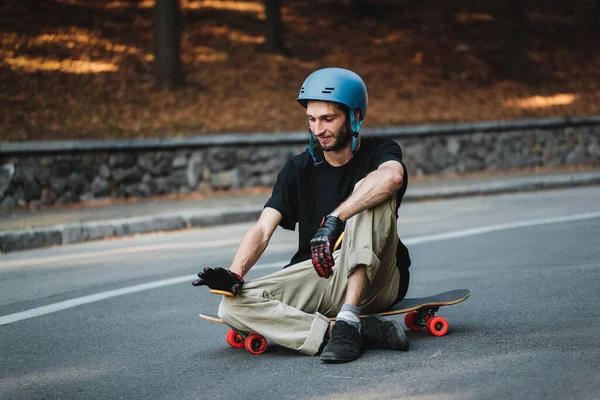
(355, 125)
(354, 144)
(311, 148)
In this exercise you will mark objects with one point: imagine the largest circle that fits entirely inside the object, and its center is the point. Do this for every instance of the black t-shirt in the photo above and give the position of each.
(305, 193)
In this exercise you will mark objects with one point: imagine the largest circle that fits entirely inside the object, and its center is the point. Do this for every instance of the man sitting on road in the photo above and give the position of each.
(347, 183)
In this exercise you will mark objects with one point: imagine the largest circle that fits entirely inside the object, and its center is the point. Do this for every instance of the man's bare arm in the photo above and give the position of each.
(375, 188)
(255, 241)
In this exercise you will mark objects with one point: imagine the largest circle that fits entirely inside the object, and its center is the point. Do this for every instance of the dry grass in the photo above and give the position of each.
(77, 69)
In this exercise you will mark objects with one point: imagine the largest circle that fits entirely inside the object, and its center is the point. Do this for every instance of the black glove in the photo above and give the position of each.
(321, 245)
(220, 279)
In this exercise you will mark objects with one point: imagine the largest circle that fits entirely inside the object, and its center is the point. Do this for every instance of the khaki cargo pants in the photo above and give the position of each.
(291, 307)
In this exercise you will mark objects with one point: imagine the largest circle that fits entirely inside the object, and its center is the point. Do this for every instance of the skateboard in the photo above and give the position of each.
(420, 314)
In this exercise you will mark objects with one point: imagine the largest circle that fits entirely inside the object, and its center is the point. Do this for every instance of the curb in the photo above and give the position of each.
(97, 230)
(514, 185)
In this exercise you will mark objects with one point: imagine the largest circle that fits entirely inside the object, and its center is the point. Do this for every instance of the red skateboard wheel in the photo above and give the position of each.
(409, 321)
(234, 339)
(438, 326)
(256, 344)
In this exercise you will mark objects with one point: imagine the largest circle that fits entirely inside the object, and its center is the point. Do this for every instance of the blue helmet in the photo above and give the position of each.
(340, 86)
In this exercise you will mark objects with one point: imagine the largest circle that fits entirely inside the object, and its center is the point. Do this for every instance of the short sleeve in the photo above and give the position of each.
(284, 196)
(386, 150)
(389, 150)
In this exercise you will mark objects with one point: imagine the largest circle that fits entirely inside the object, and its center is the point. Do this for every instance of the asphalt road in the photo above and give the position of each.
(118, 319)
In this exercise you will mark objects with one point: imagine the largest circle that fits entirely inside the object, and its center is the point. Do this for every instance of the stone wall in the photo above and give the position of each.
(46, 173)
(502, 151)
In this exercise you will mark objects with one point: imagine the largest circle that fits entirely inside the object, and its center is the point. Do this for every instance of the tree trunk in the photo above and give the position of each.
(515, 60)
(167, 58)
(274, 26)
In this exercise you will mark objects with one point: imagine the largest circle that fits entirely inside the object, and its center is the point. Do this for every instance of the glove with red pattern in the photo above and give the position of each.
(321, 245)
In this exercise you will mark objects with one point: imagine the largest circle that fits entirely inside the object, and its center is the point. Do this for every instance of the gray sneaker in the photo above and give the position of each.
(379, 333)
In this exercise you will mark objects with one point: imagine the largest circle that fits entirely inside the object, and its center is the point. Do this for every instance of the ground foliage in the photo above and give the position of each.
(80, 69)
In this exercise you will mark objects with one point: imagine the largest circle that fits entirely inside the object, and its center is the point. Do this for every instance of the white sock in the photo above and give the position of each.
(350, 314)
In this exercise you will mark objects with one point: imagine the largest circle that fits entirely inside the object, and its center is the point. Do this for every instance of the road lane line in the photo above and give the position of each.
(63, 305)
(501, 227)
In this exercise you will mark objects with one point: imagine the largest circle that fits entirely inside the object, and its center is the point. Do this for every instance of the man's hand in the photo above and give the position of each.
(321, 245)
(220, 279)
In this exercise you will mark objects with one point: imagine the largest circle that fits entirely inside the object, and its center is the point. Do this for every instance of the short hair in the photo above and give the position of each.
(342, 107)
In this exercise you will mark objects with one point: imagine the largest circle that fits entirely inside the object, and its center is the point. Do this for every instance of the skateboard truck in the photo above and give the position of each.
(426, 318)
(255, 344)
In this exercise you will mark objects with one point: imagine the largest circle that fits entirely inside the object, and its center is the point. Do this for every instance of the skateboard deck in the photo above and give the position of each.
(420, 314)
(437, 300)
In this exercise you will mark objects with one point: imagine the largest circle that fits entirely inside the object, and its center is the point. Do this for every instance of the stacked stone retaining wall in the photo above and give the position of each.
(63, 172)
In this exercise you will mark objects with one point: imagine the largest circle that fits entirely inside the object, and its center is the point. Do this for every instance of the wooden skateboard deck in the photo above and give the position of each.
(420, 314)
(437, 300)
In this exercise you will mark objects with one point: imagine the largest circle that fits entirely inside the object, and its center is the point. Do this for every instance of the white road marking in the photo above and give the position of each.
(501, 227)
(63, 305)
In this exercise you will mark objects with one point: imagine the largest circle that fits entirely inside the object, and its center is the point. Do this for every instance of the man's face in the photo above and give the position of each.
(329, 125)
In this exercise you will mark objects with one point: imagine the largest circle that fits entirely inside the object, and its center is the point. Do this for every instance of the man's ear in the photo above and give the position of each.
(357, 115)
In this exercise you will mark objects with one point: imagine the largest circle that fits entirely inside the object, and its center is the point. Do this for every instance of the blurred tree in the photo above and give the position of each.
(359, 7)
(354, 3)
(274, 27)
(167, 58)
(596, 23)
(515, 59)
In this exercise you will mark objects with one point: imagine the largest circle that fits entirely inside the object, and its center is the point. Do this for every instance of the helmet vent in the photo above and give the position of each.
(329, 88)
(326, 91)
